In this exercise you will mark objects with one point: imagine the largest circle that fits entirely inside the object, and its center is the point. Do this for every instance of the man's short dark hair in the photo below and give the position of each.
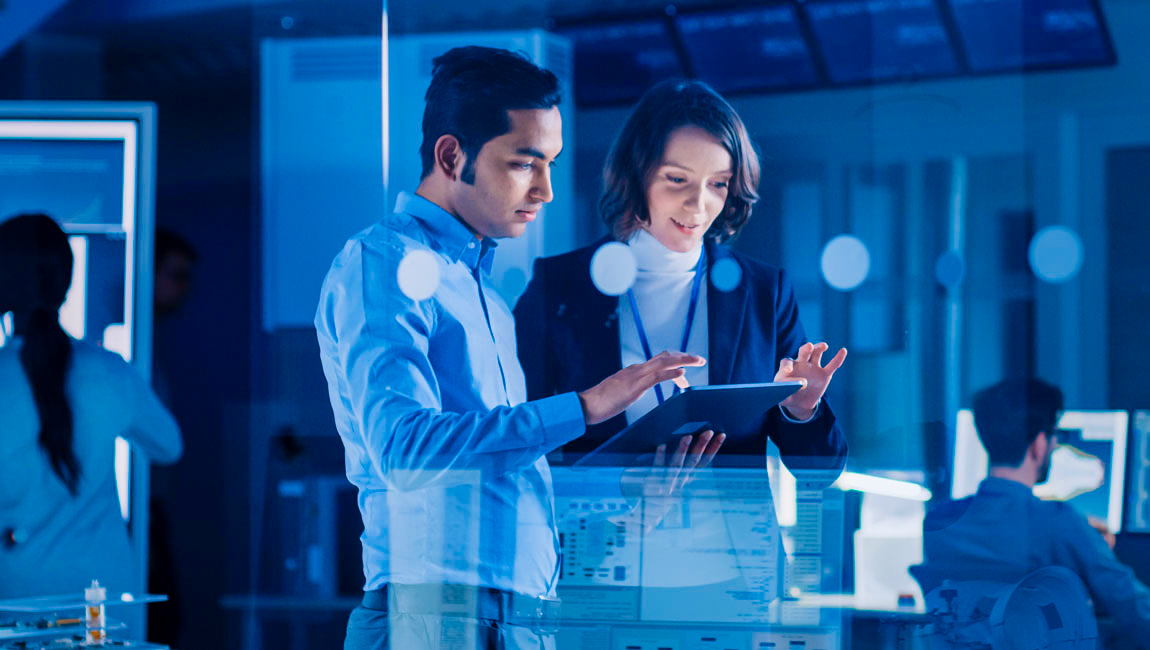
(1010, 415)
(168, 242)
(471, 90)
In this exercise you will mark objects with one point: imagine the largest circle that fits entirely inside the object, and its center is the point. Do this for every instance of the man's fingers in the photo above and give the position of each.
(662, 376)
(669, 359)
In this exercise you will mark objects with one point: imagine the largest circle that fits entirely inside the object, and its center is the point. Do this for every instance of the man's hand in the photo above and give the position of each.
(806, 367)
(614, 394)
(1100, 526)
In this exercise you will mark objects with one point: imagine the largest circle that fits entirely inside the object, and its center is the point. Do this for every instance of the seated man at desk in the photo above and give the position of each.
(1005, 525)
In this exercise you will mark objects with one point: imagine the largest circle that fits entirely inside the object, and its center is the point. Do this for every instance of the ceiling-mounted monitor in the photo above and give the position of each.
(616, 62)
(865, 41)
(748, 49)
(1013, 35)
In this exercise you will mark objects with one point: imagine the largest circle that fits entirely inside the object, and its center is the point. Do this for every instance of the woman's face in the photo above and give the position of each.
(688, 188)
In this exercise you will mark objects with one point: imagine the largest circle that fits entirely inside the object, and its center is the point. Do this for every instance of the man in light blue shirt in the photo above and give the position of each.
(460, 546)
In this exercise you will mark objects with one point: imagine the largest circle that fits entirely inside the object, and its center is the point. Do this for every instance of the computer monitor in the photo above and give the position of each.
(1006, 35)
(89, 167)
(1087, 470)
(1137, 519)
(865, 41)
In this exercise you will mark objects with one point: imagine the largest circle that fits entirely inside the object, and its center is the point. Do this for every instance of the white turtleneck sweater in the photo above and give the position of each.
(663, 293)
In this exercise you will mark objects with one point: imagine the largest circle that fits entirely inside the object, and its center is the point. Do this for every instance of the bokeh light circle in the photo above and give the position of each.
(845, 262)
(726, 274)
(613, 268)
(1055, 254)
(418, 274)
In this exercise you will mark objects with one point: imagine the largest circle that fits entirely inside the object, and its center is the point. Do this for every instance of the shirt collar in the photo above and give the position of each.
(448, 234)
(999, 485)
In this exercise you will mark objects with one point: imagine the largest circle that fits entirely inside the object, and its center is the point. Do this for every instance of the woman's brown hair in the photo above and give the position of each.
(638, 150)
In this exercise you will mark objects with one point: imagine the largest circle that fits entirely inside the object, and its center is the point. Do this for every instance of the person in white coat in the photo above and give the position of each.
(63, 402)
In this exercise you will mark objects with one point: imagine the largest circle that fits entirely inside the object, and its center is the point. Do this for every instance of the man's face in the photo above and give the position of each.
(512, 175)
(173, 280)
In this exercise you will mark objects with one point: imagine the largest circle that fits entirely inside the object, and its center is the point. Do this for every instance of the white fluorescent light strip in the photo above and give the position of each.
(123, 465)
(883, 486)
(5, 327)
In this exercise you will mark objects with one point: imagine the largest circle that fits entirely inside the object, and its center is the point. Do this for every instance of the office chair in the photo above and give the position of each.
(992, 608)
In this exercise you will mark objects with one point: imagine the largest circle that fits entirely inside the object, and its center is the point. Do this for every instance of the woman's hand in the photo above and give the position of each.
(806, 367)
(660, 487)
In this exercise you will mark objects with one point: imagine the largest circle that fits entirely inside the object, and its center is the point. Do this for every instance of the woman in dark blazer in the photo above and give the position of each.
(681, 179)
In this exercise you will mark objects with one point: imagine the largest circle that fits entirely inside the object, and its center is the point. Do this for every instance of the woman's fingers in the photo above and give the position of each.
(804, 353)
(817, 353)
(836, 362)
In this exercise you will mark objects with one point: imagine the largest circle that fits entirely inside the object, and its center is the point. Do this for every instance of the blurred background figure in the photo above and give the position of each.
(64, 403)
(175, 262)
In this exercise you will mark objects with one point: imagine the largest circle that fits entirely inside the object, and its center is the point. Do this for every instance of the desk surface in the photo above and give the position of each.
(851, 604)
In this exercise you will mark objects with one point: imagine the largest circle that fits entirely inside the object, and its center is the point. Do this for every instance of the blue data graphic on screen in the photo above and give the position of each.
(766, 42)
(881, 40)
(1002, 35)
(617, 62)
(74, 181)
(705, 569)
(1087, 469)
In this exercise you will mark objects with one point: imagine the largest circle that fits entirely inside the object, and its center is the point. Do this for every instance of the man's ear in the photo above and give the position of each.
(449, 156)
(1039, 446)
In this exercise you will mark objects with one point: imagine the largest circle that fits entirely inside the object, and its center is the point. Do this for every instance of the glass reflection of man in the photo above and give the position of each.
(175, 262)
(1005, 525)
(460, 541)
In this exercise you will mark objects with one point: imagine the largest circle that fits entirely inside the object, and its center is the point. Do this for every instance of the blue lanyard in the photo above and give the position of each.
(690, 318)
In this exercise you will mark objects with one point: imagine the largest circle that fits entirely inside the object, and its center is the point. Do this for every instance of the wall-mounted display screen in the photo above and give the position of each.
(881, 40)
(615, 63)
(749, 49)
(1005, 35)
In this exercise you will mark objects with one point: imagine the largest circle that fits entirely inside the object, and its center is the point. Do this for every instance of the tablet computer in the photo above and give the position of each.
(737, 410)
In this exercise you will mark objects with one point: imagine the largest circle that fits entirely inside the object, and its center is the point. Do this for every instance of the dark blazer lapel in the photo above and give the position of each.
(725, 313)
(599, 330)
